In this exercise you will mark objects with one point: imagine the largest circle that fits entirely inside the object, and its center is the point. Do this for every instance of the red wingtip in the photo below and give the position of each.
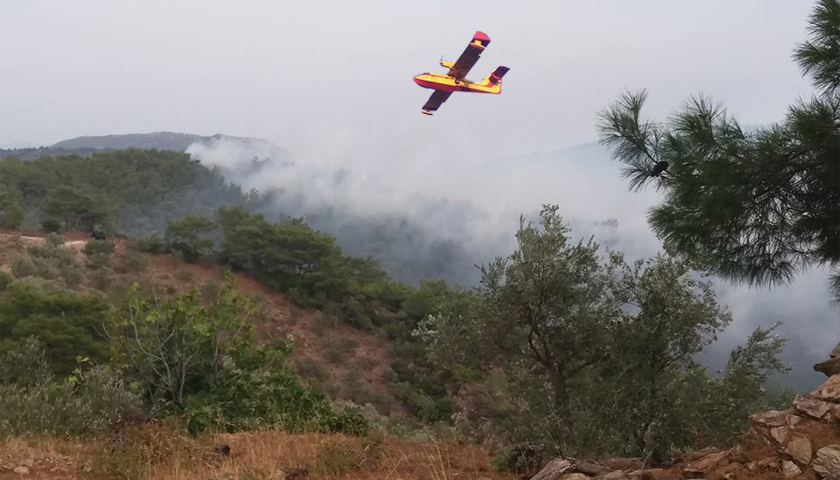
(481, 36)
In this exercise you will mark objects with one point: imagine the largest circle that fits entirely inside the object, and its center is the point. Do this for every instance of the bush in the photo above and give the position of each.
(11, 216)
(67, 323)
(54, 240)
(99, 247)
(50, 262)
(51, 225)
(522, 458)
(153, 242)
(5, 279)
(99, 261)
(91, 404)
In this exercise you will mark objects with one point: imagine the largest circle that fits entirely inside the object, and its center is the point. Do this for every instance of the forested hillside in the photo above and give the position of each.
(447, 354)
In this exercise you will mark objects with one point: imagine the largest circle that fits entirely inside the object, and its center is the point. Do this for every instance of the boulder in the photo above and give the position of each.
(830, 390)
(829, 367)
(799, 448)
(614, 475)
(773, 418)
(813, 407)
(704, 464)
(779, 434)
(21, 470)
(827, 462)
(573, 476)
(790, 469)
(631, 463)
(753, 440)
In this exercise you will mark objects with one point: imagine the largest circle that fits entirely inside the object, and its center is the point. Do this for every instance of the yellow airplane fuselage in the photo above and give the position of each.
(440, 81)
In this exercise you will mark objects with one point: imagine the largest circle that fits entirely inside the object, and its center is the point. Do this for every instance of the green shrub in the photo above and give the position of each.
(5, 279)
(51, 225)
(49, 261)
(99, 261)
(152, 242)
(99, 247)
(11, 215)
(54, 240)
(67, 323)
(90, 404)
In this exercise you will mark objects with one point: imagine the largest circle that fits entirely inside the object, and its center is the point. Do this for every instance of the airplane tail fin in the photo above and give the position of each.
(496, 76)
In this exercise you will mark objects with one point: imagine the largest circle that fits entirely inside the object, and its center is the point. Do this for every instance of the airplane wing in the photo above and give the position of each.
(435, 101)
(470, 56)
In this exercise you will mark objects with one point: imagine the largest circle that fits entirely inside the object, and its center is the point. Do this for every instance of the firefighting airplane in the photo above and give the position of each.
(454, 81)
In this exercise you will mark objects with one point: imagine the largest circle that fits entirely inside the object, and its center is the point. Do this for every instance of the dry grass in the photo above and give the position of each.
(266, 455)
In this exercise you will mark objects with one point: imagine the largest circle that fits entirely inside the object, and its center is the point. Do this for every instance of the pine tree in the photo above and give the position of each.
(750, 204)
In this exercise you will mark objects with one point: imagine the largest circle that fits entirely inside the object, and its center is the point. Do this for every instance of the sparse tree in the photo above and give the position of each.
(550, 310)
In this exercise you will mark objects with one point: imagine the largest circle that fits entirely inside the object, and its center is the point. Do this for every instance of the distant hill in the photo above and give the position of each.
(256, 148)
(159, 140)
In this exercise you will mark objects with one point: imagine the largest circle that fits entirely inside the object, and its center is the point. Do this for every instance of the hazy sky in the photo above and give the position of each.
(299, 73)
(332, 83)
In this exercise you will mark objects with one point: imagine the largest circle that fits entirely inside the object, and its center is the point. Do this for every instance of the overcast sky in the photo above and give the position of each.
(332, 83)
(299, 72)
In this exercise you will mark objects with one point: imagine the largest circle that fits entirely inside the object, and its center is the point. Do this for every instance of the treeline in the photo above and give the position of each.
(131, 191)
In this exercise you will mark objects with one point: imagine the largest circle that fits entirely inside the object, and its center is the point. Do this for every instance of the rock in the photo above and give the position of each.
(703, 465)
(835, 353)
(811, 406)
(829, 367)
(827, 461)
(553, 469)
(631, 463)
(614, 475)
(830, 390)
(800, 449)
(792, 419)
(773, 418)
(779, 434)
(769, 462)
(573, 476)
(298, 473)
(753, 440)
(21, 470)
(790, 469)
(589, 468)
